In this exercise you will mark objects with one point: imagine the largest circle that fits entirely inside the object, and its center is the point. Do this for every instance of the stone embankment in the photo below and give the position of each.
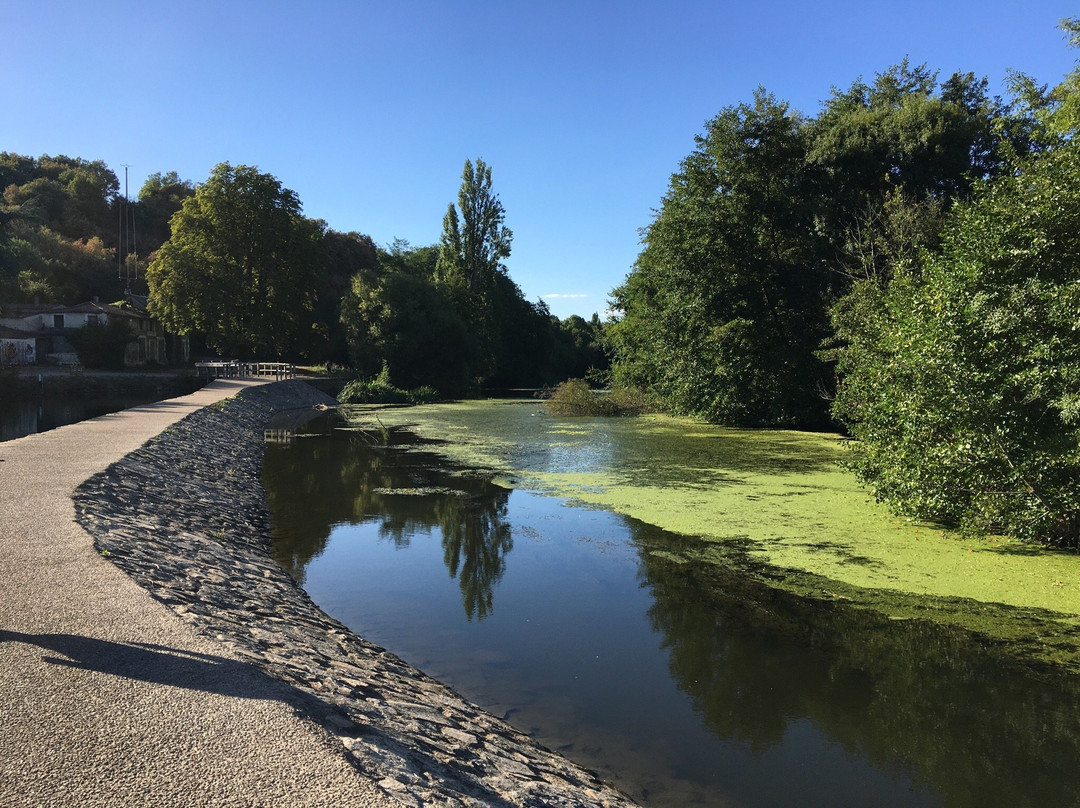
(186, 517)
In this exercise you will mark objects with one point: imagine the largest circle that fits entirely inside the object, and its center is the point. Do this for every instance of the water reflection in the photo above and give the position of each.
(910, 696)
(24, 416)
(362, 477)
(670, 666)
(475, 538)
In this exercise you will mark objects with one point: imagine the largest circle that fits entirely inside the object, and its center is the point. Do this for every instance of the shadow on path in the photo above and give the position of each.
(153, 663)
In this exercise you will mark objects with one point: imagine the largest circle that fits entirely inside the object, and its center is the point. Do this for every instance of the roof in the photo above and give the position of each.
(100, 308)
(138, 302)
(20, 310)
(6, 332)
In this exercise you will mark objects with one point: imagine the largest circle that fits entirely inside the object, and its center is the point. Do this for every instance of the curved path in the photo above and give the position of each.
(106, 697)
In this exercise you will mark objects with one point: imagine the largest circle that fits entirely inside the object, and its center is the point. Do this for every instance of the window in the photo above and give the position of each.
(58, 321)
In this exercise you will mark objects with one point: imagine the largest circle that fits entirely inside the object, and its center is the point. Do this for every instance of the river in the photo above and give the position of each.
(684, 677)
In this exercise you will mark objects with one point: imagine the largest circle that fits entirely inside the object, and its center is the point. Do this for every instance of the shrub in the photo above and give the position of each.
(371, 391)
(961, 380)
(380, 391)
(101, 346)
(575, 397)
(424, 395)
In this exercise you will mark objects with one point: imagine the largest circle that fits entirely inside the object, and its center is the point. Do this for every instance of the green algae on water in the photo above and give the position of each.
(780, 502)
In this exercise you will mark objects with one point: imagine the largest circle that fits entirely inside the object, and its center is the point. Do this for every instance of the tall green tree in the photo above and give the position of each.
(775, 218)
(578, 352)
(348, 255)
(240, 266)
(904, 137)
(727, 301)
(1052, 115)
(905, 131)
(475, 241)
(959, 368)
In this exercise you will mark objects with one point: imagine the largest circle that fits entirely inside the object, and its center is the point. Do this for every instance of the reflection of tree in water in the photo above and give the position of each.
(954, 712)
(475, 538)
(316, 483)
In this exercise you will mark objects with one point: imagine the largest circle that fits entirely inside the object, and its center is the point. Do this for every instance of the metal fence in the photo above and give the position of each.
(232, 368)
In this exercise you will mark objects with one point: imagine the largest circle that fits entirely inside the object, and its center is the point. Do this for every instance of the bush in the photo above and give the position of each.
(961, 380)
(371, 391)
(101, 346)
(424, 395)
(575, 397)
(380, 391)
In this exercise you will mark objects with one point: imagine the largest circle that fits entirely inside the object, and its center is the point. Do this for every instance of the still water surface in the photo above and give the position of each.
(684, 683)
(28, 416)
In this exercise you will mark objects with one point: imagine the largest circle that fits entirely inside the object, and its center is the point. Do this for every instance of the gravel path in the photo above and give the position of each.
(106, 697)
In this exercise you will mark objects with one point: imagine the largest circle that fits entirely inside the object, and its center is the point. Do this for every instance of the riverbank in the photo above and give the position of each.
(108, 699)
(185, 515)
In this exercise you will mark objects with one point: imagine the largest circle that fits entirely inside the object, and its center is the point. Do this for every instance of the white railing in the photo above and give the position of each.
(231, 368)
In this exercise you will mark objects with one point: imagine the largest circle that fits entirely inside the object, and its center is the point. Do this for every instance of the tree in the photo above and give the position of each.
(160, 197)
(775, 218)
(348, 255)
(578, 352)
(905, 134)
(402, 321)
(102, 346)
(240, 265)
(55, 225)
(727, 301)
(474, 243)
(963, 388)
(1051, 116)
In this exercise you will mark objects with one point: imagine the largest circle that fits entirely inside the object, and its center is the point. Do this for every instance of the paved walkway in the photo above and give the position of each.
(106, 697)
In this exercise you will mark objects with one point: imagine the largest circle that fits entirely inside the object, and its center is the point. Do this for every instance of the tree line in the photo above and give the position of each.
(234, 263)
(906, 265)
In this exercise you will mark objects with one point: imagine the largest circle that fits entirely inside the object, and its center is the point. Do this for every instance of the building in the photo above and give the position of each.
(17, 347)
(49, 325)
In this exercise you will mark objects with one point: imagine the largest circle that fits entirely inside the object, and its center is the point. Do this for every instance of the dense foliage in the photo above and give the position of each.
(235, 265)
(60, 228)
(912, 255)
(469, 268)
(765, 224)
(961, 376)
(575, 397)
(451, 317)
(379, 390)
(726, 303)
(240, 265)
(57, 229)
(102, 346)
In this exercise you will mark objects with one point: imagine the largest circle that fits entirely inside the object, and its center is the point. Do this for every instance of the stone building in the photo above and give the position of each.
(48, 326)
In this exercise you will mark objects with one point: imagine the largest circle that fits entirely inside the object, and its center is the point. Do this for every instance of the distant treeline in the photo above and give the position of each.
(233, 263)
(905, 264)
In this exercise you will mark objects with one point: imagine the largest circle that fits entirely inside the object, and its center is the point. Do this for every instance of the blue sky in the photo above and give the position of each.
(368, 110)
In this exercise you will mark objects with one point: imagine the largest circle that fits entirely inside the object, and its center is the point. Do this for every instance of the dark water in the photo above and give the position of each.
(28, 416)
(684, 682)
